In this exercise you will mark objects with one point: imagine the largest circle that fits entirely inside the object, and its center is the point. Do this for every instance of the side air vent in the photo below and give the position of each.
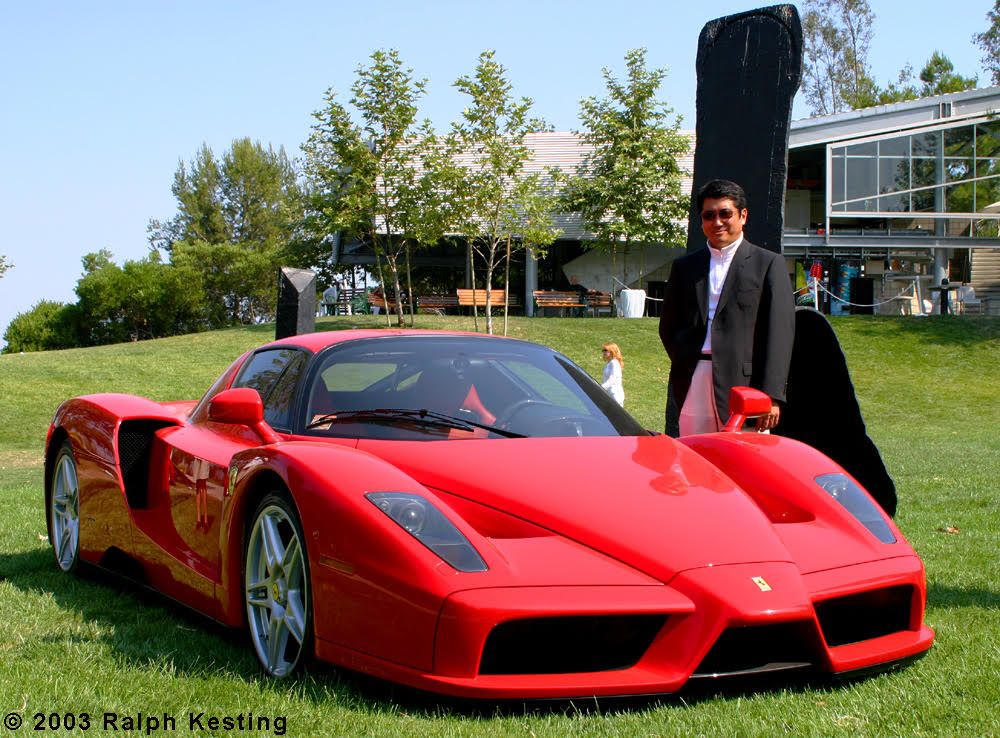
(135, 441)
(565, 645)
(867, 615)
(762, 648)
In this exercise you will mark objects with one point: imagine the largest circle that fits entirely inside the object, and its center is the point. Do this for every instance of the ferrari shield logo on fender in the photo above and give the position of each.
(762, 584)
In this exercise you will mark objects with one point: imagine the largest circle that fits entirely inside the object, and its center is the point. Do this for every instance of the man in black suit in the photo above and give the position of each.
(728, 317)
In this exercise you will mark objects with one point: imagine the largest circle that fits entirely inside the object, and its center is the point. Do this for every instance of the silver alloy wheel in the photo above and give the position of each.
(277, 588)
(64, 510)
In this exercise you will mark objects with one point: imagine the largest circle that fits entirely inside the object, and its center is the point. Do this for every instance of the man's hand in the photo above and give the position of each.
(767, 422)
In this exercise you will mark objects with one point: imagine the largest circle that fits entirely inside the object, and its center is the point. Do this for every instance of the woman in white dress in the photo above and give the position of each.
(612, 383)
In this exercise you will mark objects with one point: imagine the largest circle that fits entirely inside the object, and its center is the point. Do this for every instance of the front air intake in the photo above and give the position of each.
(860, 617)
(761, 648)
(564, 645)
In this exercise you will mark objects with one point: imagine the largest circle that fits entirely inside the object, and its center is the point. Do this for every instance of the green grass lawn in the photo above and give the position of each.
(930, 392)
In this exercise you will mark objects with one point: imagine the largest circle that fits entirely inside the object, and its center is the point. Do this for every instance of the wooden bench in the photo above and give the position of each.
(376, 300)
(465, 298)
(597, 301)
(438, 304)
(561, 301)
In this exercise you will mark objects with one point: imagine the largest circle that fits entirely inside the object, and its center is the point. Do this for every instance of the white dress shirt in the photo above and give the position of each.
(719, 262)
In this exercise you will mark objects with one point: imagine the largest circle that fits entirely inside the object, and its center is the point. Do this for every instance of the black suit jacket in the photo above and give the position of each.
(752, 332)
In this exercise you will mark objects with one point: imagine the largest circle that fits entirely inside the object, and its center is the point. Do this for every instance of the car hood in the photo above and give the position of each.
(646, 501)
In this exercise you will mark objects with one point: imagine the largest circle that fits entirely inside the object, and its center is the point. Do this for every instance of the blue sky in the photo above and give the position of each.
(100, 100)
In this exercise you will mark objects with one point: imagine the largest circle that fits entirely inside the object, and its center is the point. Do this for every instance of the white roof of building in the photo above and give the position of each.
(924, 111)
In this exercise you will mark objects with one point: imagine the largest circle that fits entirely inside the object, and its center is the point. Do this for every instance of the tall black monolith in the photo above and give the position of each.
(748, 65)
(296, 302)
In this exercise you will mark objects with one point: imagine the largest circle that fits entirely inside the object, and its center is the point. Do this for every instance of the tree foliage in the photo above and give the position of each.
(4, 265)
(141, 299)
(938, 77)
(43, 328)
(989, 42)
(837, 78)
(502, 207)
(251, 196)
(628, 189)
(237, 220)
(837, 35)
(374, 179)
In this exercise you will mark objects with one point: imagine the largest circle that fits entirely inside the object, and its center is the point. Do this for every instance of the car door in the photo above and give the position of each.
(199, 456)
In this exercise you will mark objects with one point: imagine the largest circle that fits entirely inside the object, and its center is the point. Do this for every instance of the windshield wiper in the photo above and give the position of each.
(423, 417)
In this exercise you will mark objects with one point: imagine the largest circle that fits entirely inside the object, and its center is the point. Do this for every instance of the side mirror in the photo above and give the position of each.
(745, 402)
(241, 406)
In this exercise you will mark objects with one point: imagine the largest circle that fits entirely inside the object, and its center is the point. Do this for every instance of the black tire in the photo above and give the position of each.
(277, 588)
(62, 509)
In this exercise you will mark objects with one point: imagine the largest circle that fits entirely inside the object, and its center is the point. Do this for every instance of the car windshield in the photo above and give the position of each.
(455, 387)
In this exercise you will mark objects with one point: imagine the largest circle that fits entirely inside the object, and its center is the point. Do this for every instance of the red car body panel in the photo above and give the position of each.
(713, 535)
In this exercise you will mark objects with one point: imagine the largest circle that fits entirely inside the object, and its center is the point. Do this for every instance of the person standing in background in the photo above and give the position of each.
(612, 381)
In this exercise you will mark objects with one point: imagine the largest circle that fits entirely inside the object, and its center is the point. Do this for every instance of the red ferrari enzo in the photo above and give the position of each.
(474, 516)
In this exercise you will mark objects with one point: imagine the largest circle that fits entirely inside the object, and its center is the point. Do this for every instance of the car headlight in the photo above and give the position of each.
(841, 488)
(418, 517)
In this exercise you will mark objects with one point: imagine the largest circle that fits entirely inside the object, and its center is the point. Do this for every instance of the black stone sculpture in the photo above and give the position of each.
(749, 66)
(822, 409)
(296, 302)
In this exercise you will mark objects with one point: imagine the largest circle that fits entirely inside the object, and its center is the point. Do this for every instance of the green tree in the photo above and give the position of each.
(42, 328)
(141, 299)
(938, 77)
(836, 75)
(628, 188)
(249, 207)
(4, 264)
(365, 177)
(989, 42)
(198, 190)
(238, 282)
(495, 191)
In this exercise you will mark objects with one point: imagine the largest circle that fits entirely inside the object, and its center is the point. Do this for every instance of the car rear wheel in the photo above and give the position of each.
(276, 587)
(64, 509)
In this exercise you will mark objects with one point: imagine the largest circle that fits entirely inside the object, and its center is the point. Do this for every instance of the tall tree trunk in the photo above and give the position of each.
(381, 284)
(491, 254)
(409, 283)
(394, 266)
(472, 275)
(506, 287)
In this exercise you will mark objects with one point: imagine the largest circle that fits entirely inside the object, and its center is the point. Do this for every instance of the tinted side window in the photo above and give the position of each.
(274, 374)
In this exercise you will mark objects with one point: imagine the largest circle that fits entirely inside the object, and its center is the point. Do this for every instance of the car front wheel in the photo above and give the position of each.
(276, 587)
(64, 509)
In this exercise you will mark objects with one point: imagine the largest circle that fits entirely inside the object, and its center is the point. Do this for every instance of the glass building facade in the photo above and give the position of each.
(942, 180)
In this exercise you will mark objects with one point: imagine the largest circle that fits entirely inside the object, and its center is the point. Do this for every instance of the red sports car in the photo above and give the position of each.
(474, 516)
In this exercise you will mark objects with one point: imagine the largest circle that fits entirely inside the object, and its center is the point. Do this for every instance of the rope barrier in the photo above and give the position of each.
(819, 284)
(813, 283)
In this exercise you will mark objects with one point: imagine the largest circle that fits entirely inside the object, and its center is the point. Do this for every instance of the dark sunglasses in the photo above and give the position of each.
(723, 214)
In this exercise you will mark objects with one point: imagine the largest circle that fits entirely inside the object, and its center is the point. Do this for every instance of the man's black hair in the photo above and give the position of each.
(720, 189)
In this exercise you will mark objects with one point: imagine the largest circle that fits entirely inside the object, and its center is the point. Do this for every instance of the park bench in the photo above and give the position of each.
(561, 301)
(438, 304)
(466, 298)
(377, 300)
(597, 301)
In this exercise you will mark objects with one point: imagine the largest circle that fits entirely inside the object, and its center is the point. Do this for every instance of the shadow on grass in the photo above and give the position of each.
(939, 595)
(941, 330)
(150, 631)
